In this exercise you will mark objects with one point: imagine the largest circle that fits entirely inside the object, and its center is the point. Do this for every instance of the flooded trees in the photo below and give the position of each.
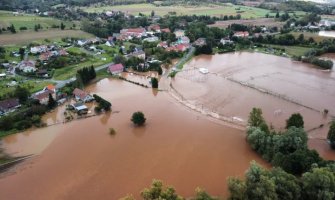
(138, 118)
(295, 120)
(154, 82)
(331, 135)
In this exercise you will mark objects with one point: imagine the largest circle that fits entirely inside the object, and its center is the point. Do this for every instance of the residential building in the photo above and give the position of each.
(139, 54)
(81, 95)
(165, 30)
(200, 42)
(115, 68)
(38, 49)
(183, 40)
(179, 33)
(80, 108)
(226, 41)
(163, 44)
(8, 105)
(27, 66)
(241, 34)
(154, 27)
(151, 39)
(178, 48)
(133, 32)
(43, 96)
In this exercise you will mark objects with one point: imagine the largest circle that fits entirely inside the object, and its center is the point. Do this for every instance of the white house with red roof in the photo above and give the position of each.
(43, 95)
(115, 68)
(241, 34)
(133, 32)
(81, 95)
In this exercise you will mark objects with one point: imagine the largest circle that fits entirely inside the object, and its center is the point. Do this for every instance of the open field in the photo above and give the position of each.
(211, 9)
(289, 50)
(308, 35)
(252, 22)
(28, 37)
(29, 21)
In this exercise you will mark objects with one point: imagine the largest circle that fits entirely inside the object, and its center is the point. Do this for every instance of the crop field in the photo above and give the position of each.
(28, 37)
(29, 21)
(211, 9)
(307, 35)
(251, 22)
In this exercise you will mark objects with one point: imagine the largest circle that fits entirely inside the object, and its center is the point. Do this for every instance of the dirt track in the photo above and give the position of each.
(27, 37)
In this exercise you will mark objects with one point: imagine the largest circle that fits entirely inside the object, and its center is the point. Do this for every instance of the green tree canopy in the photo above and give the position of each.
(295, 120)
(138, 118)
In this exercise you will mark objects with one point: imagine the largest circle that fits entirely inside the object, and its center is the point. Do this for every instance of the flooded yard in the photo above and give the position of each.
(183, 148)
(237, 82)
(84, 161)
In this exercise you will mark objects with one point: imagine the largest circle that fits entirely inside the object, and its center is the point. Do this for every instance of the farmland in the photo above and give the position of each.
(253, 22)
(28, 37)
(29, 21)
(211, 9)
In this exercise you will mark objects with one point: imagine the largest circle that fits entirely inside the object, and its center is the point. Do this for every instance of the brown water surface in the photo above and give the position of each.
(84, 161)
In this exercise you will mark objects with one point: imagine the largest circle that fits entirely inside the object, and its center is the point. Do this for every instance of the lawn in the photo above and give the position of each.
(211, 9)
(308, 35)
(29, 21)
(31, 85)
(289, 50)
(32, 36)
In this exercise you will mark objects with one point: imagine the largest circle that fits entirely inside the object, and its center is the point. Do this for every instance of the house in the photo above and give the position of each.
(183, 40)
(165, 30)
(81, 42)
(154, 27)
(38, 49)
(139, 54)
(9, 105)
(45, 56)
(241, 34)
(226, 41)
(115, 68)
(2, 75)
(151, 39)
(163, 44)
(50, 87)
(179, 33)
(27, 66)
(81, 95)
(200, 42)
(133, 32)
(178, 48)
(43, 96)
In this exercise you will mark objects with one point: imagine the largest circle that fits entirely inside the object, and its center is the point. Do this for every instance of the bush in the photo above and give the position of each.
(138, 118)
(154, 82)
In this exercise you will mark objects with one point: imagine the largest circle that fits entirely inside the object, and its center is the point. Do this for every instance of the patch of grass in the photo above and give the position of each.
(289, 50)
(210, 9)
(308, 35)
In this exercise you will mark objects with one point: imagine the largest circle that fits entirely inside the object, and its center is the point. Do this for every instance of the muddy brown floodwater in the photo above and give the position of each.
(237, 82)
(84, 161)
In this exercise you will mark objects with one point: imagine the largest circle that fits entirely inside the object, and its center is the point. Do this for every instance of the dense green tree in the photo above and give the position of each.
(51, 102)
(154, 82)
(22, 94)
(295, 120)
(201, 194)
(331, 135)
(237, 189)
(12, 29)
(62, 26)
(138, 118)
(157, 191)
(255, 117)
(319, 184)
(22, 52)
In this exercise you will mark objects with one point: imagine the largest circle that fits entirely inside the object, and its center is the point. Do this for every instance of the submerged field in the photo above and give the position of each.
(211, 9)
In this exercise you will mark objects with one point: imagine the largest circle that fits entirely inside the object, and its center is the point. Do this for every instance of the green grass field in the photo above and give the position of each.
(29, 21)
(289, 50)
(308, 35)
(210, 9)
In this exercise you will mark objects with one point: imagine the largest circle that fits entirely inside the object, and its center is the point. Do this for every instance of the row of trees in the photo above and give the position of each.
(288, 149)
(103, 104)
(85, 75)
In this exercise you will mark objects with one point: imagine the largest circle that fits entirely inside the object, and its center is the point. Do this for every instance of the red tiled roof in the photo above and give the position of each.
(43, 95)
(115, 67)
(79, 93)
(166, 30)
(51, 87)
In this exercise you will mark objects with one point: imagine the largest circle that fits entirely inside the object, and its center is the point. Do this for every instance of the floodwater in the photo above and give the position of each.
(237, 82)
(327, 33)
(83, 161)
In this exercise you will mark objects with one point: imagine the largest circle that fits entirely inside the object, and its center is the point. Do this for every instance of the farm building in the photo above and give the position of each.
(115, 68)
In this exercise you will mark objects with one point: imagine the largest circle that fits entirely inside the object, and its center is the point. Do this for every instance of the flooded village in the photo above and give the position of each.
(217, 94)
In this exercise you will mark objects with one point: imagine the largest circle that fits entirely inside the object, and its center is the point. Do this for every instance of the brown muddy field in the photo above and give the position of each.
(278, 85)
(84, 161)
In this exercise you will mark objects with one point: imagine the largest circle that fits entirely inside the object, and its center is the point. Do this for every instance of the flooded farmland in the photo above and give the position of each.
(85, 162)
(184, 148)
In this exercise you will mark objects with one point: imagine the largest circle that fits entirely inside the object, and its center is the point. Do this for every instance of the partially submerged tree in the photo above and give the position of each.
(295, 120)
(331, 135)
(138, 118)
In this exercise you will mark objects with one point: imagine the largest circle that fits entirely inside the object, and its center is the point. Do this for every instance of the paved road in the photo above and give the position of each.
(62, 83)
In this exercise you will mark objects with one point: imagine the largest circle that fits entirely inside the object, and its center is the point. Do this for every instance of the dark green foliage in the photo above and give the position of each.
(62, 26)
(295, 120)
(205, 49)
(154, 82)
(103, 104)
(86, 74)
(21, 52)
(51, 102)
(22, 94)
(12, 29)
(138, 118)
(331, 135)
(255, 117)
(156, 191)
